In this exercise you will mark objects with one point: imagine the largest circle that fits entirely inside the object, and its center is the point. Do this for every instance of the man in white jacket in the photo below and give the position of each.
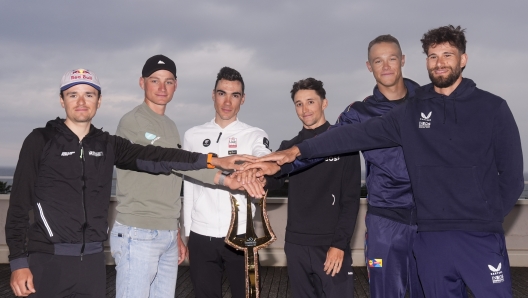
(207, 210)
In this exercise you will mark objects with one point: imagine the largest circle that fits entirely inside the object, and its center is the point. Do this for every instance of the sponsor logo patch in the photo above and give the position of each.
(375, 263)
(67, 153)
(496, 274)
(266, 142)
(232, 142)
(332, 158)
(232, 152)
(95, 153)
(179, 146)
(151, 137)
(425, 120)
(206, 143)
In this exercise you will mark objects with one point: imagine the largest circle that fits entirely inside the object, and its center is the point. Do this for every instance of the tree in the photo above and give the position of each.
(4, 188)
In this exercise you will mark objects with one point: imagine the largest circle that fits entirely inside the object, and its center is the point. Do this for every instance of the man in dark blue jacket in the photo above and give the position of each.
(391, 215)
(463, 153)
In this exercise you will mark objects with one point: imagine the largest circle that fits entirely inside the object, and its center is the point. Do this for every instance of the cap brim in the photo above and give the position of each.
(68, 86)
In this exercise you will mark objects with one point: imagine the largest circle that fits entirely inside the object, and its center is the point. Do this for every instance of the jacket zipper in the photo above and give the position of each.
(83, 199)
(219, 137)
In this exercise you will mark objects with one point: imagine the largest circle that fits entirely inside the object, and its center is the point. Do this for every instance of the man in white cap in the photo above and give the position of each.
(64, 174)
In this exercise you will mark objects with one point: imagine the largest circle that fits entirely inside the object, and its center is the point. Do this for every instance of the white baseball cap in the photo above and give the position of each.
(79, 76)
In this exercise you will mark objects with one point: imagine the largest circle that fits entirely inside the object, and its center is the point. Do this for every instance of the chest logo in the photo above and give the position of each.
(232, 152)
(425, 120)
(232, 143)
(206, 143)
(151, 137)
(67, 153)
(332, 158)
(95, 153)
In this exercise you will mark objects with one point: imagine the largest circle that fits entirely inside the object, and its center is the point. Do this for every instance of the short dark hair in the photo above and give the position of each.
(383, 38)
(454, 36)
(227, 73)
(309, 84)
(98, 93)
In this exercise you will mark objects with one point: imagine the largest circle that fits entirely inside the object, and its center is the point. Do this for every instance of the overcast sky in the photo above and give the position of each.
(272, 43)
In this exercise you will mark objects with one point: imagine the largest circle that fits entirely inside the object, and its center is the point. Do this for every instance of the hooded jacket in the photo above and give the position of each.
(323, 201)
(67, 183)
(463, 154)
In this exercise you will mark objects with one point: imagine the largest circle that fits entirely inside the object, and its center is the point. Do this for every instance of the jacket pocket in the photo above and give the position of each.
(450, 193)
(41, 212)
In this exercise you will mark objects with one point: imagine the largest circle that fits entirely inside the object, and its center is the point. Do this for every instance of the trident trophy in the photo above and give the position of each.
(250, 244)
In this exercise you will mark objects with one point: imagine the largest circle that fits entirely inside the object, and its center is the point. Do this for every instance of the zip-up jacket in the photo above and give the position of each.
(323, 201)
(463, 153)
(67, 184)
(388, 183)
(207, 209)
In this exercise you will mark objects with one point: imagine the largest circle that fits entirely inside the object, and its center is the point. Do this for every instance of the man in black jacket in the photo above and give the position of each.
(323, 203)
(64, 174)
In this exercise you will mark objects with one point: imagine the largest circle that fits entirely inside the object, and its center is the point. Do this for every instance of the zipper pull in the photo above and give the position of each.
(219, 137)
(82, 153)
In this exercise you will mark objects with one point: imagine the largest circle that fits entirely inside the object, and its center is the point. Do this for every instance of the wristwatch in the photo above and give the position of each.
(209, 158)
(223, 175)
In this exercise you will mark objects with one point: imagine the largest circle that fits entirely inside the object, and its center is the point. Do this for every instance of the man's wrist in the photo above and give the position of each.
(223, 175)
(211, 158)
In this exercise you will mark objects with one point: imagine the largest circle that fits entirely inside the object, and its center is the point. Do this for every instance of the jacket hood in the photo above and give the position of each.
(59, 125)
(466, 87)
(409, 84)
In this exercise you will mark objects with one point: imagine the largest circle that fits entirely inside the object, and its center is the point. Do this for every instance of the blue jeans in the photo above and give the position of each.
(146, 261)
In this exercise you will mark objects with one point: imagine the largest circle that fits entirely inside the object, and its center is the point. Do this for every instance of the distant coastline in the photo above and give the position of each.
(6, 175)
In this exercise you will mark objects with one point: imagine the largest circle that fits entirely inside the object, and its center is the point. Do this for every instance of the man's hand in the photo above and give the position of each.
(232, 162)
(334, 260)
(282, 157)
(262, 168)
(22, 282)
(182, 249)
(255, 189)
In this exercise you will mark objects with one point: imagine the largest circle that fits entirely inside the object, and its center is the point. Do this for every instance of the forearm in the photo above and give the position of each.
(154, 159)
(375, 133)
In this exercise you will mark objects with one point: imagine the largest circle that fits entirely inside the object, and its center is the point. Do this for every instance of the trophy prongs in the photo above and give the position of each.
(250, 244)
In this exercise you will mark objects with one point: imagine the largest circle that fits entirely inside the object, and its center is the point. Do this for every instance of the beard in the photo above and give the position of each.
(444, 82)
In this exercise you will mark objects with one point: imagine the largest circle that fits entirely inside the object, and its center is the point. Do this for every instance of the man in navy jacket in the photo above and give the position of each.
(463, 153)
(391, 215)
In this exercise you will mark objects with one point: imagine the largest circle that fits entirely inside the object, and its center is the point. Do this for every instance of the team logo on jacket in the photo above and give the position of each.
(425, 120)
(67, 153)
(151, 137)
(206, 143)
(332, 158)
(266, 142)
(375, 263)
(496, 274)
(95, 153)
(232, 143)
(232, 152)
